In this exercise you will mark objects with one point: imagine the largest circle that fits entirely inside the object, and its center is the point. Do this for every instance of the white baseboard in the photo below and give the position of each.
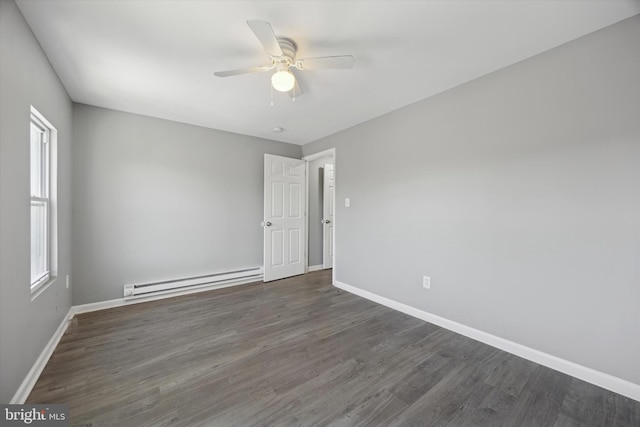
(314, 268)
(101, 305)
(609, 382)
(32, 377)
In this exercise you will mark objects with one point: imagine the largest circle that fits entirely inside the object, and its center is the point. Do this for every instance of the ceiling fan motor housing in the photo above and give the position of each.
(288, 48)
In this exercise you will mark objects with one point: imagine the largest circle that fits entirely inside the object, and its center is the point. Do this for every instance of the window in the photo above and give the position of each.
(41, 133)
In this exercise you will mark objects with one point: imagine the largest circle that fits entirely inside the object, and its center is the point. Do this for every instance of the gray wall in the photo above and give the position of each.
(316, 170)
(26, 79)
(518, 193)
(156, 199)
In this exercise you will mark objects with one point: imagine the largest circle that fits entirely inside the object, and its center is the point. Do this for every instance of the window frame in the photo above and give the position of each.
(43, 196)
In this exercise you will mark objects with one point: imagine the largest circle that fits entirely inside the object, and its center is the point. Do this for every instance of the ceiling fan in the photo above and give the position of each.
(282, 53)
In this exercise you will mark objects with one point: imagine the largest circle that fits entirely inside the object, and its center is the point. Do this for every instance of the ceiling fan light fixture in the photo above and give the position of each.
(283, 81)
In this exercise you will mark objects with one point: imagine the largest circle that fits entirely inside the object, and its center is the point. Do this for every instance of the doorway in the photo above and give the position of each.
(321, 210)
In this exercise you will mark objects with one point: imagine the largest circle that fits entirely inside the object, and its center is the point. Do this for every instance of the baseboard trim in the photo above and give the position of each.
(32, 377)
(600, 379)
(119, 302)
(101, 305)
(314, 268)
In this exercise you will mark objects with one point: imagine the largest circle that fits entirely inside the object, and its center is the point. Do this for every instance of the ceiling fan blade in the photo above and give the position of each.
(296, 92)
(242, 71)
(343, 62)
(266, 36)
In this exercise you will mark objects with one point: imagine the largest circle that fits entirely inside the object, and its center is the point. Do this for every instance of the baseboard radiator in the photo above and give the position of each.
(223, 279)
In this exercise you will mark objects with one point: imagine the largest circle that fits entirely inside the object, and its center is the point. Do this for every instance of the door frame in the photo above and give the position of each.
(331, 152)
(328, 209)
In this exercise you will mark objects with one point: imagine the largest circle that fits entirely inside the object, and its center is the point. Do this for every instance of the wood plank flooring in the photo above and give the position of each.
(301, 352)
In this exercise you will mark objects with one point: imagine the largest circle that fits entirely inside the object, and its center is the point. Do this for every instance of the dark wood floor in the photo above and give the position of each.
(301, 352)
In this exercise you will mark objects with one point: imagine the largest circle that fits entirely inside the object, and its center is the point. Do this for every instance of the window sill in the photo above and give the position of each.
(38, 290)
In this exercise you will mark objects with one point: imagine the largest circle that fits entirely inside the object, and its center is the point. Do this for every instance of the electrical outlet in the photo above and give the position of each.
(67, 281)
(426, 282)
(347, 202)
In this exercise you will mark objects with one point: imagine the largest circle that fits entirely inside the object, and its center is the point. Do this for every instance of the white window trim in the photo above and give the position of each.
(43, 282)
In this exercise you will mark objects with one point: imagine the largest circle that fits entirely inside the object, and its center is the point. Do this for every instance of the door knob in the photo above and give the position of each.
(326, 221)
(268, 224)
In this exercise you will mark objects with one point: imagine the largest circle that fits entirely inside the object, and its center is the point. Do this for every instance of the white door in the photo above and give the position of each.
(328, 206)
(284, 201)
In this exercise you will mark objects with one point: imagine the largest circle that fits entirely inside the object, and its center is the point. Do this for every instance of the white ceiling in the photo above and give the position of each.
(157, 58)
